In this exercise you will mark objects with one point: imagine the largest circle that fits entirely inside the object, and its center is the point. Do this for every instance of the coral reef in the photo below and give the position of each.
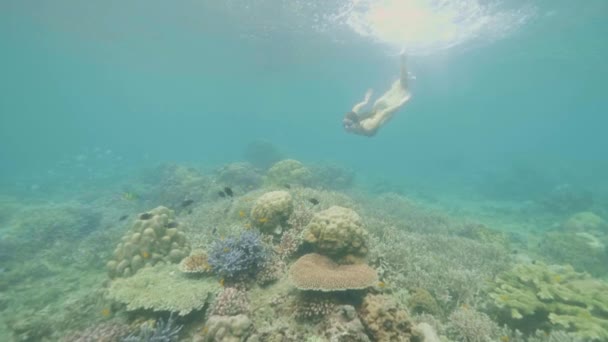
(226, 329)
(288, 172)
(313, 308)
(242, 255)
(262, 154)
(320, 273)
(163, 288)
(454, 270)
(422, 301)
(469, 325)
(537, 296)
(271, 272)
(332, 176)
(197, 262)
(230, 302)
(343, 325)
(337, 232)
(160, 331)
(384, 320)
(584, 251)
(271, 211)
(154, 238)
(243, 175)
(103, 332)
(585, 222)
(567, 198)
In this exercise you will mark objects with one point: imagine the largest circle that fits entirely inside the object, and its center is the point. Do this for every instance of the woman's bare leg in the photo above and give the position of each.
(403, 73)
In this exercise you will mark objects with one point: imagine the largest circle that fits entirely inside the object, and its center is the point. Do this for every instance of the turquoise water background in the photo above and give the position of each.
(187, 81)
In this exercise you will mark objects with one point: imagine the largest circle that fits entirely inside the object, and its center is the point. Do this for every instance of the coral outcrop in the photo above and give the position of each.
(585, 222)
(343, 324)
(288, 171)
(271, 211)
(243, 175)
(337, 232)
(319, 273)
(227, 328)
(154, 238)
(163, 288)
(536, 296)
(384, 320)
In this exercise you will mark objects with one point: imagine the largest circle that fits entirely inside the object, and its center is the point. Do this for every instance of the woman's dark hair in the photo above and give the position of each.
(352, 116)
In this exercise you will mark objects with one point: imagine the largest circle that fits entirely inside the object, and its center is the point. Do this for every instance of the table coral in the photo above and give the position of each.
(319, 273)
(154, 237)
(163, 288)
(544, 296)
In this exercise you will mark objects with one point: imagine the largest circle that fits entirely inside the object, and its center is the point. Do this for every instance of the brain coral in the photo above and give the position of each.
(154, 238)
(319, 273)
(227, 328)
(272, 210)
(163, 288)
(385, 320)
(288, 171)
(338, 232)
(534, 296)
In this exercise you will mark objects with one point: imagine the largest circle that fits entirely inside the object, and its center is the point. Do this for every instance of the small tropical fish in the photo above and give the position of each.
(242, 213)
(145, 216)
(381, 284)
(205, 330)
(129, 196)
(226, 249)
(221, 194)
(105, 312)
(228, 191)
(172, 224)
(247, 225)
(263, 220)
(222, 282)
(187, 202)
(145, 254)
(287, 186)
(314, 201)
(123, 217)
(504, 338)
(214, 230)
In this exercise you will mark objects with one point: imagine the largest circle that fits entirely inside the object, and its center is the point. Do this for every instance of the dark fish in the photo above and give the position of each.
(214, 230)
(123, 217)
(189, 211)
(187, 202)
(221, 194)
(314, 201)
(145, 216)
(287, 186)
(228, 191)
(172, 224)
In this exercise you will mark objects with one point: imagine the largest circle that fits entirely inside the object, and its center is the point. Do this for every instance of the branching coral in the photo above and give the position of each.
(242, 255)
(230, 302)
(538, 296)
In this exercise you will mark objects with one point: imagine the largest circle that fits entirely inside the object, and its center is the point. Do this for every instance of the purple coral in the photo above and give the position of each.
(242, 255)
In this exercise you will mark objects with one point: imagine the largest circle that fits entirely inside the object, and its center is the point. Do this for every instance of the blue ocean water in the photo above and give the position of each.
(91, 93)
